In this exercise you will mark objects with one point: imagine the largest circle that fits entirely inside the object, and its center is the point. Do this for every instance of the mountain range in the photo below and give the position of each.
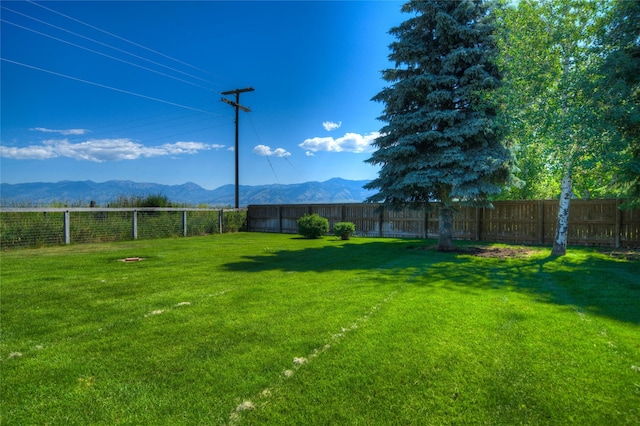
(81, 193)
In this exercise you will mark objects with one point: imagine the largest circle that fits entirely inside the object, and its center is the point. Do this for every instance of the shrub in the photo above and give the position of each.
(155, 200)
(312, 226)
(344, 230)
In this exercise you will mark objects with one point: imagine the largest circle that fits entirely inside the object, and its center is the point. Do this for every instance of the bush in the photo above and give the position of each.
(344, 230)
(155, 200)
(312, 226)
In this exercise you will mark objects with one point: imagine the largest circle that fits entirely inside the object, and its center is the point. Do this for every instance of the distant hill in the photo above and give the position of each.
(77, 193)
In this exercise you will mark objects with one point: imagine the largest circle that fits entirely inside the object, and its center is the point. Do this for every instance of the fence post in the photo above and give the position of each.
(220, 220)
(134, 225)
(479, 217)
(541, 222)
(381, 220)
(425, 221)
(280, 219)
(184, 223)
(67, 227)
(618, 224)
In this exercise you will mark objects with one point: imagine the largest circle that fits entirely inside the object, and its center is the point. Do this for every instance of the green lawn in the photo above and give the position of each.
(256, 328)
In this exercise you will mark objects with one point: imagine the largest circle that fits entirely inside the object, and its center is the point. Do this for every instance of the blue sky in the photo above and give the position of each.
(131, 90)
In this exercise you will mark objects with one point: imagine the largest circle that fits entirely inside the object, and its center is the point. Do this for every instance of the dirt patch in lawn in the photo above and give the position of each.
(497, 252)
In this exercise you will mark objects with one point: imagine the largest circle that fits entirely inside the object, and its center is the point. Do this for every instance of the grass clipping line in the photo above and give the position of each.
(262, 398)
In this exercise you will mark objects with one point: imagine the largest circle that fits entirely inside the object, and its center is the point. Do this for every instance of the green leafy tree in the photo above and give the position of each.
(441, 144)
(549, 55)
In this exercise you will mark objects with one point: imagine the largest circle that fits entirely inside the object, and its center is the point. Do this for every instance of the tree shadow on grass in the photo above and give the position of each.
(584, 279)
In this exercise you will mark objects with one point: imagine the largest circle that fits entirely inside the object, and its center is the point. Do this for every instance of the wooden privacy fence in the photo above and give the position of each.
(591, 222)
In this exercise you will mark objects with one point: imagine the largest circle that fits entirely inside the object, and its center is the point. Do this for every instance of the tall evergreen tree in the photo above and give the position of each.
(620, 90)
(441, 144)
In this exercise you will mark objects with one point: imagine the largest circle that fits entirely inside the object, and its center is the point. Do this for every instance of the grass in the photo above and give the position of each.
(273, 329)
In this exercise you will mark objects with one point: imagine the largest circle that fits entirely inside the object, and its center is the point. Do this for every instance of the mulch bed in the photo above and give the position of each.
(498, 252)
(628, 253)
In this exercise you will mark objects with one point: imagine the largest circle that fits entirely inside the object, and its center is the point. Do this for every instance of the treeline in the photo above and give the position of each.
(152, 200)
(122, 201)
(570, 97)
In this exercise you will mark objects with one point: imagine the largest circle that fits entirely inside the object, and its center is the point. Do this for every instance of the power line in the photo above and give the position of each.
(106, 45)
(164, 126)
(150, 121)
(154, 126)
(181, 120)
(121, 38)
(186, 132)
(105, 55)
(266, 156)
(283, 156)
(105, 86)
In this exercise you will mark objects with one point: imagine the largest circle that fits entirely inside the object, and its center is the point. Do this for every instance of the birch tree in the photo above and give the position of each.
(441, 144)
(548, 55)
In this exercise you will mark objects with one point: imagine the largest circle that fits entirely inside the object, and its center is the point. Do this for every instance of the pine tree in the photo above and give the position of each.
(441, 144)
(621, 90)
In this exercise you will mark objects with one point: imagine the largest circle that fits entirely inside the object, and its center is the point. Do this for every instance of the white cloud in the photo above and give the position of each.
(330, 125)
(266, 151)
(28, 153)
(350, 142)
(309, 154)
(101, 150)
(63, 132)
(320, 144)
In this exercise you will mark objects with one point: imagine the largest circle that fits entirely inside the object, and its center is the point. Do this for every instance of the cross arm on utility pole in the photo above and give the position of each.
(236, 105)
(236, 91)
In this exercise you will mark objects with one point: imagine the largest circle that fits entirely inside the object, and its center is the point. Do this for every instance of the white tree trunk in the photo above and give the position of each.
(566, 186)
(562, 226)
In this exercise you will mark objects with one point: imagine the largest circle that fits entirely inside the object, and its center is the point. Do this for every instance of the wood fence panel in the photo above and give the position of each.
(550, 217)
(513, 222)
(290, 215)
(592, 224)
(264, 218)
(464, 224)
(366, 218)
(432, 223)
(332, 212)
(404, 223)
(629, 228)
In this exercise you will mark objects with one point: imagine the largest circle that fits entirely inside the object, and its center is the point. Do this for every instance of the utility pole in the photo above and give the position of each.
(238, 107)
